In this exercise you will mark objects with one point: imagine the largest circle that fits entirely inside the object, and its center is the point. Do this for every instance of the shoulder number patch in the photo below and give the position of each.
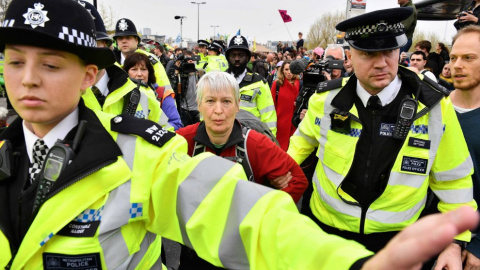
(148, 130)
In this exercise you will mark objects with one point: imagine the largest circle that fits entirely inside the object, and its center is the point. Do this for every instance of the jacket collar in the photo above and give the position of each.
(344, 100)
(235, 137)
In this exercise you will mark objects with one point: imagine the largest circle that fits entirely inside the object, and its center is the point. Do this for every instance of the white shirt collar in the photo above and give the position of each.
(102, 84)
(386, 96)
(58, 132)
(240, 78)
(122, 58)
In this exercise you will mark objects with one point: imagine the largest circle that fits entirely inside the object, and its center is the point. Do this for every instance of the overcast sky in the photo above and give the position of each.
(257, 19)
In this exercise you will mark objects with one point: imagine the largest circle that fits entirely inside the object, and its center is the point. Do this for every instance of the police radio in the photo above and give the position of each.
(57, 159)
(406, 114)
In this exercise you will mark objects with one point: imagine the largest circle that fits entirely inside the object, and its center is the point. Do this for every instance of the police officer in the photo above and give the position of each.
(215, 62)
(255, 95)
(127, 179)
(384, 138)
(127, 40)
(202, 52)
(114, 92)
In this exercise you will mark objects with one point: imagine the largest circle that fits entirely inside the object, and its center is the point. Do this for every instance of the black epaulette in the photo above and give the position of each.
(329, 85)
(148, 130)
(248, 77)
(152, 59)
(436, 86)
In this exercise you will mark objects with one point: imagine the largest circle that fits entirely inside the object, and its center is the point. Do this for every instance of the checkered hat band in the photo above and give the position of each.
(76, 37)
(372, 29)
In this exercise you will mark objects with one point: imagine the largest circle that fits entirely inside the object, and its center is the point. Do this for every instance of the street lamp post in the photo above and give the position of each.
(214, 27)
(181, 23)
(198, 15)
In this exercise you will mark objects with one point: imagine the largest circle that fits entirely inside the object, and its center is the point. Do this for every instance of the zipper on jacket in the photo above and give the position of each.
(367, 169)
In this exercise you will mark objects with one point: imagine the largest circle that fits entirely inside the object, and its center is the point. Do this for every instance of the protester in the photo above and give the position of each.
(465, 63)
(442, 50)
(139, 68)
(220, 133)
(284, 92)
(469, 15)
(446, 79)
(409, 23)
(374, 170)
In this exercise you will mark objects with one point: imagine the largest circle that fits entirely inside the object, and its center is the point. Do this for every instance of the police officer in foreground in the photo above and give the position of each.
(113, 91)
(255, 94)
(113, 183)
(384, 138)
(127, 39)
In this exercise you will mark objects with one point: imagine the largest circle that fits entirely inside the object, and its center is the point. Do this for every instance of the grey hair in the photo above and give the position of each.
(218, 82)
(334, 47)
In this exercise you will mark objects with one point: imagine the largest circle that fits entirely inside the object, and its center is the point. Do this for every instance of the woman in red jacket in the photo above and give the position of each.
(220, 133)
(284, 92)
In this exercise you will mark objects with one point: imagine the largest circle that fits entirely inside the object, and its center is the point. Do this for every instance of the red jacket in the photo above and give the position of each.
(267, 160)
(285, 107)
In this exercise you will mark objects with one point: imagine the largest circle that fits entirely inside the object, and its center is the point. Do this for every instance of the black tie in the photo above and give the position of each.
(374, 103)
(39, 152)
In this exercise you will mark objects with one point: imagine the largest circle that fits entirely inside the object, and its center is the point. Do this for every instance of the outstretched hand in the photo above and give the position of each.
(422, 240)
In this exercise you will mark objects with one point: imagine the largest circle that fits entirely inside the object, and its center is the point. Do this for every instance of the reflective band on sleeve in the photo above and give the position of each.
(410, 180)
(270, 108)
(271, 124)
(163, 121)
(144, 104)
(310, 141)
(232, 251)
(455, 195)
(196, 187)
(460, 171)
(127, 145)
(248, 104)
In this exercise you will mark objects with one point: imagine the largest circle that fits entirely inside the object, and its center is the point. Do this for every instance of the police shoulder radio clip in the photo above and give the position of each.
(406, 115)
(57, 159)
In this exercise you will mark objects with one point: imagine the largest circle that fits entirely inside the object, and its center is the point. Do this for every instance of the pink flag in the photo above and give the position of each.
(285, 17)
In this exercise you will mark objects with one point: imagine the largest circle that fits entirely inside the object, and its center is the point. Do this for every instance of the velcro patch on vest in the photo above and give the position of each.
(79, 229)
(148, 130)
(425, 144)
(246, 98)
(152, 60)
(415, 165)
(386, 129)
(54, 261)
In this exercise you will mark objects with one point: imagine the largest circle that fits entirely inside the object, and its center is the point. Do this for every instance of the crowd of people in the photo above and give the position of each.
(218, 148)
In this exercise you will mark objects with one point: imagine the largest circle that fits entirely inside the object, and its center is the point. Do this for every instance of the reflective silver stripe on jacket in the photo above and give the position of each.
(460, 171)
(144, 103)
(245, 196)
(267, 109)
(117, 214)
(309, 140)
(196, 187)
(247, 104)
(387, 217)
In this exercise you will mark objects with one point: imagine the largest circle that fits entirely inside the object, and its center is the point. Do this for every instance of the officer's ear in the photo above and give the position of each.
(90, 76)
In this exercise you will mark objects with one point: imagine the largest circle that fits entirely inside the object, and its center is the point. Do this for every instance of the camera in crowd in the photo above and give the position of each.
(186, 64)
(314, 73)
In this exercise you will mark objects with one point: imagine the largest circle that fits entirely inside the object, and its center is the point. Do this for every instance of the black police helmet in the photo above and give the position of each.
(100, 29)
(43, 23)
(240, 43)
(125, 27)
